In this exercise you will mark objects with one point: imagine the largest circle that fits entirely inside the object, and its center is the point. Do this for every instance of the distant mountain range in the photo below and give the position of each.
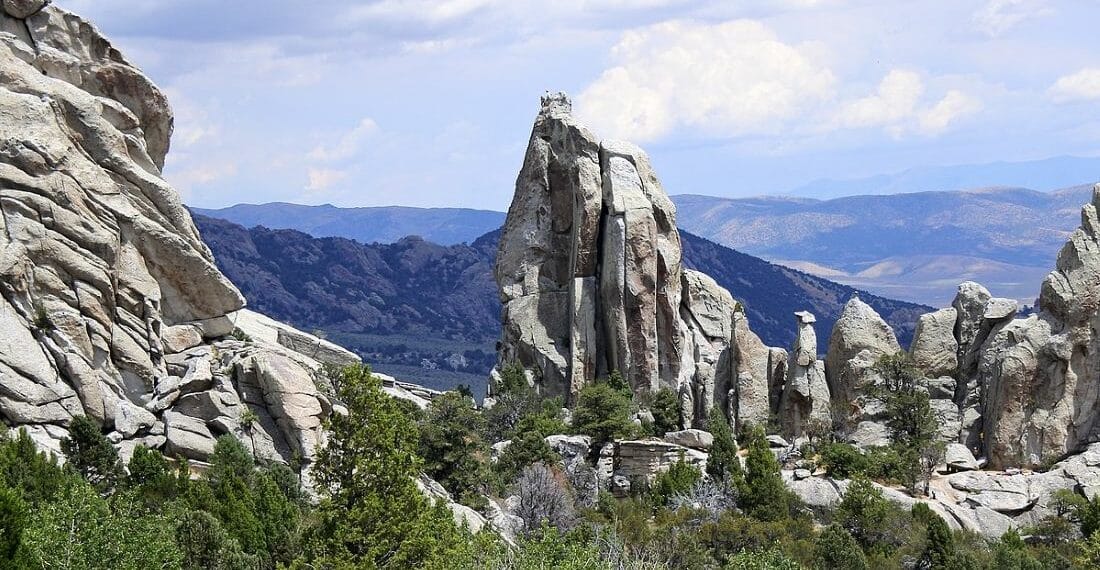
(385, 224)
(1043, 175)
(430, 313)
(915, 246)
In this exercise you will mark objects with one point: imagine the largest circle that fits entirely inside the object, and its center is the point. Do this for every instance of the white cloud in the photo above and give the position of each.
(954, 105)
(348, 145)
(732, 78)
(321, 179)
(894, 100)
(1081, 86)
(999, 16)
(896, 107)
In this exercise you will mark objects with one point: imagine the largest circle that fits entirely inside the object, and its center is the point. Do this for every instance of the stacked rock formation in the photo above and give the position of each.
(110, 304)
(591, 281)
(805, 397)
(1016, 391)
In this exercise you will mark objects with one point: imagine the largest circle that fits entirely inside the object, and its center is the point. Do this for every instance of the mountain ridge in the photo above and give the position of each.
(384, 300)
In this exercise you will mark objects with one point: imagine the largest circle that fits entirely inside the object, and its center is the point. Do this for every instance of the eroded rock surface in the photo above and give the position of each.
(110, 304)
(591, 279)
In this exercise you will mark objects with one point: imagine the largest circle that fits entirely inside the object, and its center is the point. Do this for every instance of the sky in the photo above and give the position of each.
(430, 102)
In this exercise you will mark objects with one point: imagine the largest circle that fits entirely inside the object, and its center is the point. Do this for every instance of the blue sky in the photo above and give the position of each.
(430, 102)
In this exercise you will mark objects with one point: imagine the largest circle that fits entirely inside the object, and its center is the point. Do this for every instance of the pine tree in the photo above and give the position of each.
(763, 494)
(940, 550)
(835, 548)
(89, 452)
(371, 513)
(454, 452)
(723, 462)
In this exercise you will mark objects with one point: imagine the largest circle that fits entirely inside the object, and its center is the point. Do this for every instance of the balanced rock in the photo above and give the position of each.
(805, 397)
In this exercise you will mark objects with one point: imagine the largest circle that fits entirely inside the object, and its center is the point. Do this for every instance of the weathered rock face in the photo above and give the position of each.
(590, 276)
(935, 349)
(859, 339)
(110, 304)
(1025, 390)
(805, 397)
(1040, 376)
(858, 329)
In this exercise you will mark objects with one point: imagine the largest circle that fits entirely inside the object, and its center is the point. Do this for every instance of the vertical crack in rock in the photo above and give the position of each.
(591, 280)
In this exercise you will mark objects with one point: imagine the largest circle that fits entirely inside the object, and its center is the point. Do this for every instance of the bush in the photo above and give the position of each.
(763, 494)
(679, 479)
(602, 411)
(453, 450)
(844, 461)
(544, 499)
(835, 548)
(772, 559)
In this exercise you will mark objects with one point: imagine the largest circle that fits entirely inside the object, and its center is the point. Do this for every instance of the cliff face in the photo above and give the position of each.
(110, 304)
(591, 279)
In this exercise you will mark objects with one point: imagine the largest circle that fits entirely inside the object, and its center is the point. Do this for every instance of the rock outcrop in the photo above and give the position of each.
(1025, 390)
(1040, 376)
(110, 304)
(591, 279)
(805, 399)
(935, 349)
(859, 340)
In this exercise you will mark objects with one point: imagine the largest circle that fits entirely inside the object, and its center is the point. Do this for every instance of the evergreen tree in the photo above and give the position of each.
(913, 427)
(723, 462)
(80, 529)
(526, 448)
(602, 410)
(371, 513)
(152, 478)
(36, 476)
(205, 545)
(666, 412)
(89, 452)
(863, 512)
(939, 551)
(763, 494)
(13, 519)
(452, 447)
(835, 549)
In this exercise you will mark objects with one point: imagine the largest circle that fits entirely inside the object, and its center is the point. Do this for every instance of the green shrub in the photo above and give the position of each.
(835, 548)
(771, 559)
(680, 478)
(763, 494)
(844, 461)
(602, 411)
